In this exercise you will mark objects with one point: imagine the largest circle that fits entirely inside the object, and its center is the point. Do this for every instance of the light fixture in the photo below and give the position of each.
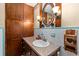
(38, 18)
(59, 12)
(55, 9)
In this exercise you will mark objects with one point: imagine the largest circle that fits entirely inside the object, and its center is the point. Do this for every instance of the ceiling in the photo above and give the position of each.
(31, 4)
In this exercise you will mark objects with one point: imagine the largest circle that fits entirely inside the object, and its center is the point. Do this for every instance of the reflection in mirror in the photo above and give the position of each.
(51, 15)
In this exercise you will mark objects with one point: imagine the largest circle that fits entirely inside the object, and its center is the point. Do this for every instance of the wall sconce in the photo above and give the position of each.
(38, 18)
(56, 11)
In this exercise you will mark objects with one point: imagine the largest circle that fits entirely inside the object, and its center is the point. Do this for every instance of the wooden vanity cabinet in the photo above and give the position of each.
(25, 49)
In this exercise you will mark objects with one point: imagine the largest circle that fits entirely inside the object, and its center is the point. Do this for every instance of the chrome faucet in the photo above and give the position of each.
(53, 35)
(43, 37)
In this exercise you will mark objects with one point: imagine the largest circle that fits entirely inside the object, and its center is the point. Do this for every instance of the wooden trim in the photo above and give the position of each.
(40, 15)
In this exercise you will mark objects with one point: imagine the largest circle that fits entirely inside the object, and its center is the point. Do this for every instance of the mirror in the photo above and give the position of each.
(51, 15)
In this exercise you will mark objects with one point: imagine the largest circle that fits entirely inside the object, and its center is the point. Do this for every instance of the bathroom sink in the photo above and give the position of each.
(40, 43)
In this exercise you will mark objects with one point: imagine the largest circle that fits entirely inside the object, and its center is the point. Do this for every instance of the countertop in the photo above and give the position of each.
(42, 51)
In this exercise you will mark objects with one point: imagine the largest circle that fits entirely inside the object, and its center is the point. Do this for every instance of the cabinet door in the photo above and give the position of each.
(28, 18)
(14, 28)
(20, 11)
(13, 36)
(13, 47)
(10, 10)
(28, 12)
(7, 10)
(15, 11)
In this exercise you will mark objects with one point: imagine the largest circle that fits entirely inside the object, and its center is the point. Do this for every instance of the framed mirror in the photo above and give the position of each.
(51, 15)
(47, 15)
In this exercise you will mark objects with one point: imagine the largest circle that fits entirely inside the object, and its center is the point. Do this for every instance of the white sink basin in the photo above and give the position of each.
(40, 43)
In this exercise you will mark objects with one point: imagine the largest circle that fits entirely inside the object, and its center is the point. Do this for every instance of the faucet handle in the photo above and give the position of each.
(38, 37)
(53, 35)
(41, 34)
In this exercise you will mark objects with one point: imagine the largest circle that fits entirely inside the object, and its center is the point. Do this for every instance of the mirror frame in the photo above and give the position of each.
(58, 19)
(51, 4)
